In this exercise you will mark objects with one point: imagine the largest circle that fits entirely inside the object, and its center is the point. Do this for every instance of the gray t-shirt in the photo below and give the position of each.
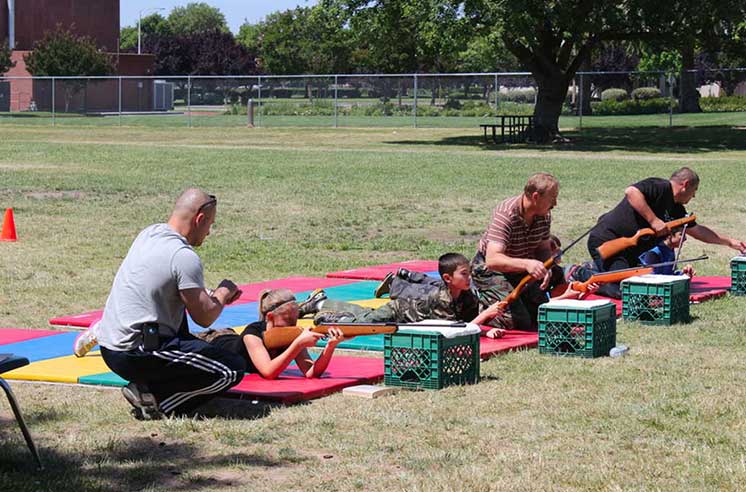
(146, 288)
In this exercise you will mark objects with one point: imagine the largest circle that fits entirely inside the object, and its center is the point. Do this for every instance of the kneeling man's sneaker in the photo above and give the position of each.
(84, 342)
(144, 406)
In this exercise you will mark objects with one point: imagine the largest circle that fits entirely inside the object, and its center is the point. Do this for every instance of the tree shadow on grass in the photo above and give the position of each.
(699, 139)
(130, 463)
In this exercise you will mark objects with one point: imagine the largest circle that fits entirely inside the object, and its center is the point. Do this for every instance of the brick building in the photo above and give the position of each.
(24, 22)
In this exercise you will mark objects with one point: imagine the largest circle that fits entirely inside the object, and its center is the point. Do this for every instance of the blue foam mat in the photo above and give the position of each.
(43, 348)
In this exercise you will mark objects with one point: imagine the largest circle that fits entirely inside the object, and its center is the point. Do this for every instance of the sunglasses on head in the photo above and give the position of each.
(212, 200)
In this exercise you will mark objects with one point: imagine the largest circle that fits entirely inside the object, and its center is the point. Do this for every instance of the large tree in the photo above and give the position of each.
(689, 27)
(196, 17)
(302, 40)
(5, 61)
(405, 36)
(551, 39)
(152, 26)
(206, 53)
(61, 53)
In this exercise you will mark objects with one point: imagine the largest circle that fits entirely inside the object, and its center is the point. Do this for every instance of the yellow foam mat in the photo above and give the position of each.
(308, 322)
(372, 303)
(61, 370)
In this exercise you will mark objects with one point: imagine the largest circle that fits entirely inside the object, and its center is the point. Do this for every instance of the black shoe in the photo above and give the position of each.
(333, 317)
(403, 273)
(385, 286)
(144, 406)
(311, 304)
(581, 273)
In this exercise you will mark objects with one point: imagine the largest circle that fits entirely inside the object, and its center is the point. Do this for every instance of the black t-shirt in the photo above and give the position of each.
(624, 221)
(235, 343)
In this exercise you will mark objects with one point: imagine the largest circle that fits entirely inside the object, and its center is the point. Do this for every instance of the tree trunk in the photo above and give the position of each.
(585, 88)
(688, 93)
(549, 100)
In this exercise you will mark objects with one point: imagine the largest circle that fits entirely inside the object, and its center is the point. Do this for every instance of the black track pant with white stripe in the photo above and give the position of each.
(182, 374)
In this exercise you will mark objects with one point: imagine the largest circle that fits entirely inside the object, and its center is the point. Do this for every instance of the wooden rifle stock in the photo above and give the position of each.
(619, 275)
(516, 292)
(610, 277)
(616, 246)
(280, 337)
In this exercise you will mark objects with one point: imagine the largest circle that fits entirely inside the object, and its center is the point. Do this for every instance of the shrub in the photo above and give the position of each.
(452, 103)
(645, 93)
(611, 107)
(718, 104)
(614, 95)
(518, 95)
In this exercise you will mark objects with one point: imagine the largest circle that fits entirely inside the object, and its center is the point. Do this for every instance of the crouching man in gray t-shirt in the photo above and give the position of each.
(143, 333)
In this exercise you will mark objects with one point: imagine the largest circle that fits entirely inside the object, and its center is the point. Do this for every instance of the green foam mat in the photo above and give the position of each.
(357, 291)
(103, 379)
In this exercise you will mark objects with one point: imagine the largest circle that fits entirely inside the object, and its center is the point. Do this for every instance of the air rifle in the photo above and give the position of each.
(516, 292)
(616, 246)
(281, 337)
(619, 275)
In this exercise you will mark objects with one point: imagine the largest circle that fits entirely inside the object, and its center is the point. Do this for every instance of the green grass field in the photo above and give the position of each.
(214, 118)
(304, 201)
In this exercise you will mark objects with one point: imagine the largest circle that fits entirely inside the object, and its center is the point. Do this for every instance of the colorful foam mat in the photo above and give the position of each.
(244, 310)
(378, 272)
(292, 386)
(13, 335)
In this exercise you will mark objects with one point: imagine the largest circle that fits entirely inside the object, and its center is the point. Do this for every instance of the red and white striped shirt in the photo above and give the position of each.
(509, 229)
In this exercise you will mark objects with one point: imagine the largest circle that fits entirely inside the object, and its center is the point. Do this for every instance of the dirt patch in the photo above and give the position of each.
(55, 195)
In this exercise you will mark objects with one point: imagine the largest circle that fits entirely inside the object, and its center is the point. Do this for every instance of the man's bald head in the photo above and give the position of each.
(190, 202)
(193, 215)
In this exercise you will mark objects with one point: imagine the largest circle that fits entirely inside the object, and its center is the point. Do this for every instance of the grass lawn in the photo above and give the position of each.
(304, 201)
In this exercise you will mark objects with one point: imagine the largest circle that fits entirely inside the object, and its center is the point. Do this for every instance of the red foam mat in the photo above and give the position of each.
(82, 320)
(296, 284)
(704, 288)
(250, 294)
(377, 272)
(13, 335)
(513, 340)
(292, 386)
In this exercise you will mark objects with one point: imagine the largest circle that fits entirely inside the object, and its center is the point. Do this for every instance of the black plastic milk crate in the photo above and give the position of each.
(738, 276)
(577, 328)
(428, 360)
(656, 299)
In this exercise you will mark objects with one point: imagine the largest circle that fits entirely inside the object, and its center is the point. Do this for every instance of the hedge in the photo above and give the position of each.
(719, 104)
(611, 107)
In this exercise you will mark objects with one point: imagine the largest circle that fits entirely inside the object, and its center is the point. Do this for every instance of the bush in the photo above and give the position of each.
(611, 107)
(452, 103)
(726, 103)
(645, 93)
(614, 95)
(518, 95)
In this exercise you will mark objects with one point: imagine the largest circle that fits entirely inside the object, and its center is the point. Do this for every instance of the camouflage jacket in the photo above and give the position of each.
(439, 304)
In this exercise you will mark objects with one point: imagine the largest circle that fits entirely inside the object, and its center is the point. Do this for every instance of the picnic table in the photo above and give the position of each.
(512, 129)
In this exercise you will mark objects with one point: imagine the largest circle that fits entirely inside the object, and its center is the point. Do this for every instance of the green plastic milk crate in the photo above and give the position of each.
(577, 328)
(738, 276)
(429, 360)
(656, 299)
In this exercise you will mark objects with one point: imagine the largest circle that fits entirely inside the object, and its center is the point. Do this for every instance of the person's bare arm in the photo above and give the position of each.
(707, 235)
(205, 308)
(498, 261)
(638, 202)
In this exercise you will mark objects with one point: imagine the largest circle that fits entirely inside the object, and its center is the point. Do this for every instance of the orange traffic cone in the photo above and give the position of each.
(9, 227)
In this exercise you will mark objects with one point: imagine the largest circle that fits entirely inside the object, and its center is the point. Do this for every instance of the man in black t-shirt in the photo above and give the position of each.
(649, 203)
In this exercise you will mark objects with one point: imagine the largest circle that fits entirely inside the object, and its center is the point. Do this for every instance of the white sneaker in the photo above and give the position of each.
(85, 342)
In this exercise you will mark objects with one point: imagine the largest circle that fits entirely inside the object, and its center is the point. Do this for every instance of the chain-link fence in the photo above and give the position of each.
(594, 99)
